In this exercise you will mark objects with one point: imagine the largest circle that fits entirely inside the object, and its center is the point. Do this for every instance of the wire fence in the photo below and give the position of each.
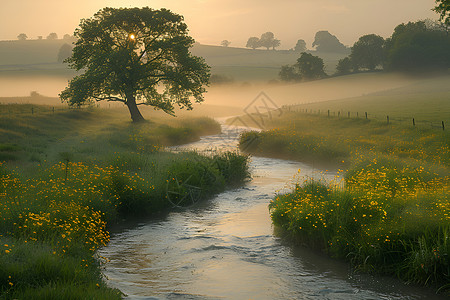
(388, 119)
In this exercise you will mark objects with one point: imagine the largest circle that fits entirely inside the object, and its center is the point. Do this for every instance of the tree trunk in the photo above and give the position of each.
(134, 110)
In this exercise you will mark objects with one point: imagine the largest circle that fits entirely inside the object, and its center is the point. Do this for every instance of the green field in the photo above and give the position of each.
(390, 213)
(426, 100)
(67, 175)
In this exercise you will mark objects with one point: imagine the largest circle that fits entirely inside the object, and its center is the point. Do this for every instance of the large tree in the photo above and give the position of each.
(268, 40)
(136, 56)
(413, 47)
(310, 67)
(253, 42)
(368, 52)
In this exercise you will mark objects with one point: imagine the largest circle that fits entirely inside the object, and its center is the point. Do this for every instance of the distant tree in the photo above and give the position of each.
(289, 74)
(52, 36)
(137, 56)
(310, 67)
(344, 66)
(253, 42)
(65, 51)
(326, 42)
(69, 38)
(225, 43)
(443, 9)
(276, 43)
(268, 40)
(22, 37)
(39, 37)
(218, 79)
(368, 52)
(300, 46)
(414, 47)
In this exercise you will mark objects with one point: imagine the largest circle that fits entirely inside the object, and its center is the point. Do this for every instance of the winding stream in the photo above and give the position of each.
(225, 248)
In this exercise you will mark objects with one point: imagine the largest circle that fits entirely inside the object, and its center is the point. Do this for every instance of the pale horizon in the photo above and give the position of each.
(211, 21)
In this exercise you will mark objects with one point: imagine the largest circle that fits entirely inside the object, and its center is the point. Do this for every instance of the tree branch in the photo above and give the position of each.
(109, 99)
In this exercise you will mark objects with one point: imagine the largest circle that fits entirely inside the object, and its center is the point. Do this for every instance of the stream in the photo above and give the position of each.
(226, 248)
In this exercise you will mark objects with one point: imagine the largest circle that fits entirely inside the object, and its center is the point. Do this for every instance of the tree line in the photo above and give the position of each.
(323, 41)
(413, 47)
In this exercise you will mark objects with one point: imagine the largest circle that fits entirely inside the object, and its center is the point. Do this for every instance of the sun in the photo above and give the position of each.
(132, 36)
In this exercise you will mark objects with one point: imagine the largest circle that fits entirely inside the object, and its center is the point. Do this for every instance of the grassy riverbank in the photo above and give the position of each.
(68, 177)
(391, 213)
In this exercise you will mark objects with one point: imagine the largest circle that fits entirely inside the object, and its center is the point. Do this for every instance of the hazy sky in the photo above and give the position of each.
(211, 21)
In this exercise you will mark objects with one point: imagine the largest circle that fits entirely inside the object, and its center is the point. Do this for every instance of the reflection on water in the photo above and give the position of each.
(225, 249)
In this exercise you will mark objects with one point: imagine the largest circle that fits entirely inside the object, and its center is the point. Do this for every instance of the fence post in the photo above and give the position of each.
(32, 110)
(357, 115)
(349, 115)
(366, 114)
(414, 122)
(443, 126)
(328, 113)
(339, 114)
(387, 119)
(53, 109)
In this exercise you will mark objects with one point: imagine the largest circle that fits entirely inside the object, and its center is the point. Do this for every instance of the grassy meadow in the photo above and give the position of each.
(68, 175)
(388, 210)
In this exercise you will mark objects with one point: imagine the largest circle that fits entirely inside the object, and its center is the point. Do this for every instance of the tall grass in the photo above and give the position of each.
(389, 218)
(391, 213)
(55, 211)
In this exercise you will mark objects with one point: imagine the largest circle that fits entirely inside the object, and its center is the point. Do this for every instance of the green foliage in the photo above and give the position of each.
(310, 67)
(53, 216)
(34, 270)
(443, 9)
(368, 52)
(344, 66)
(128, 53)
(414, 47)
(389, 218)
(289, 74)
(233, 167)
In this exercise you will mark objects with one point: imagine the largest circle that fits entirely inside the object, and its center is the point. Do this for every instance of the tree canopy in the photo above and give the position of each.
(326, 42)
(137, 56)
(268, 40)
(22, 37)
(225, 43)
(300, 46)
(308, 67)
(415, 47)
(443, 9)
(368, 52)
(253, 42)
(52, 36)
